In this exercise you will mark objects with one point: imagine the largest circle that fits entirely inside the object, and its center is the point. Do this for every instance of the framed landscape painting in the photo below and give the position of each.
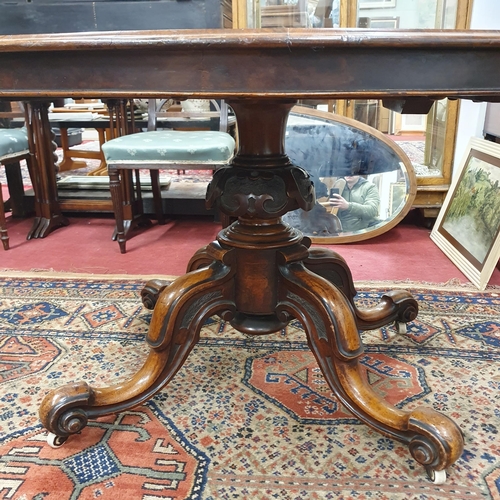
(468, 226)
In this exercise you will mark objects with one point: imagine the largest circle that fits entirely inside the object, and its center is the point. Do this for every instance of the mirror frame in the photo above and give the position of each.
(411, 177)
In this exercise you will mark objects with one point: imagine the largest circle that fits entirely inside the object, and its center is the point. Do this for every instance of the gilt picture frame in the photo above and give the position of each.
(467, 229)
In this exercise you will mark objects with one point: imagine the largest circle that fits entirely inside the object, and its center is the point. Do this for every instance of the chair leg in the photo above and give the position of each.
(155, 185)
(3, 229)
(17, 200)
(138, 191)
(117, 198)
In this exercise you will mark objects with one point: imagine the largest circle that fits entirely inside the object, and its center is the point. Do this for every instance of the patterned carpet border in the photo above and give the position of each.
(50, 273)
(453, 284)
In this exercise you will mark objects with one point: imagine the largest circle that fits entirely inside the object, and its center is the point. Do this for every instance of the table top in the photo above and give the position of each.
(282, 63)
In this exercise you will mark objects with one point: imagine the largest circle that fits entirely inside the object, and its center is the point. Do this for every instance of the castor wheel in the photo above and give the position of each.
(55, 441)
(400, 327)
(436, 476)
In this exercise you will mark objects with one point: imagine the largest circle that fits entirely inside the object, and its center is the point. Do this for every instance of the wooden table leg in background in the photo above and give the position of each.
(67, 162)
(259, 275)
(102, 169)
(48, 213)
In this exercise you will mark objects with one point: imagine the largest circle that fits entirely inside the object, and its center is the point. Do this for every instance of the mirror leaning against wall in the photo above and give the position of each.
(427, 135)
(364, 182)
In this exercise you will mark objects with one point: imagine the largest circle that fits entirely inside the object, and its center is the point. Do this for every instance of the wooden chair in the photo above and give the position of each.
(167, 149)
(14, 146)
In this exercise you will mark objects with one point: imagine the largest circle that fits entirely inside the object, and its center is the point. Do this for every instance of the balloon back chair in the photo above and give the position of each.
(167, 149)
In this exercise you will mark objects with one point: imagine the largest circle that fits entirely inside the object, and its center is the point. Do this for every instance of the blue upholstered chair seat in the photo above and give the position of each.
(206, 149)
(170, 146)
(13, 142)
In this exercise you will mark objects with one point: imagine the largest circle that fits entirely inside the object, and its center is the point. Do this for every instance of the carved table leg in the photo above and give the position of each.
(395, 306)
(332, 331)
(48, 213)
(200, 259)
(177, 319)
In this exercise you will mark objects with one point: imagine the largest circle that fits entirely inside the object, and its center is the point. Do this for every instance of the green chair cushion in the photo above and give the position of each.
(13, 141)
(170, 146)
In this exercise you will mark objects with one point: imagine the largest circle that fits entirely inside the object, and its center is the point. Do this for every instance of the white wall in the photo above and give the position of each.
(485, 16)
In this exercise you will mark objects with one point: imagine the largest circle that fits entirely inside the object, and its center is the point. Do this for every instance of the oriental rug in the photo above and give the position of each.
(245, 418)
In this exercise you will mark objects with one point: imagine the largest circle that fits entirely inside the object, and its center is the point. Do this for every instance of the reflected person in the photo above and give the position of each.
(357, 202)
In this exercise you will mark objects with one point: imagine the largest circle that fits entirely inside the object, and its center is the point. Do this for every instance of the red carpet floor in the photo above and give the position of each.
(85, 246)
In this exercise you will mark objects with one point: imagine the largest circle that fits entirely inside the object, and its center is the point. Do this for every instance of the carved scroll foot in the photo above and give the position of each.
(396, 306)
(433, 439)
(202, 258)
(151, 291)
(180, 312)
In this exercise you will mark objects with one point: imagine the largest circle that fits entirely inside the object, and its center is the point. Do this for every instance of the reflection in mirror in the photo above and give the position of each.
(364, 182)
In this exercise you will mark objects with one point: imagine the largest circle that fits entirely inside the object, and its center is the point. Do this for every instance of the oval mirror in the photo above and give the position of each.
(364, 182)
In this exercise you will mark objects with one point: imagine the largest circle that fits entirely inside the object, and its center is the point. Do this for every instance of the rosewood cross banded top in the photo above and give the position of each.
(260, 273)
(317, 63)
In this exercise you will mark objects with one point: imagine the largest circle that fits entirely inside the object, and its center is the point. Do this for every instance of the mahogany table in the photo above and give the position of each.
(260, 273)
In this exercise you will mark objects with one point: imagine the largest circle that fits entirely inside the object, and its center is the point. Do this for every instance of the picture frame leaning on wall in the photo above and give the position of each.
(467, 229)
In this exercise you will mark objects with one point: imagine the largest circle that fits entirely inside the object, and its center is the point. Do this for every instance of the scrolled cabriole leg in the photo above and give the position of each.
(180, 312)
(396, 306)
(434, 440)
(330, 265)
(437, 441)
